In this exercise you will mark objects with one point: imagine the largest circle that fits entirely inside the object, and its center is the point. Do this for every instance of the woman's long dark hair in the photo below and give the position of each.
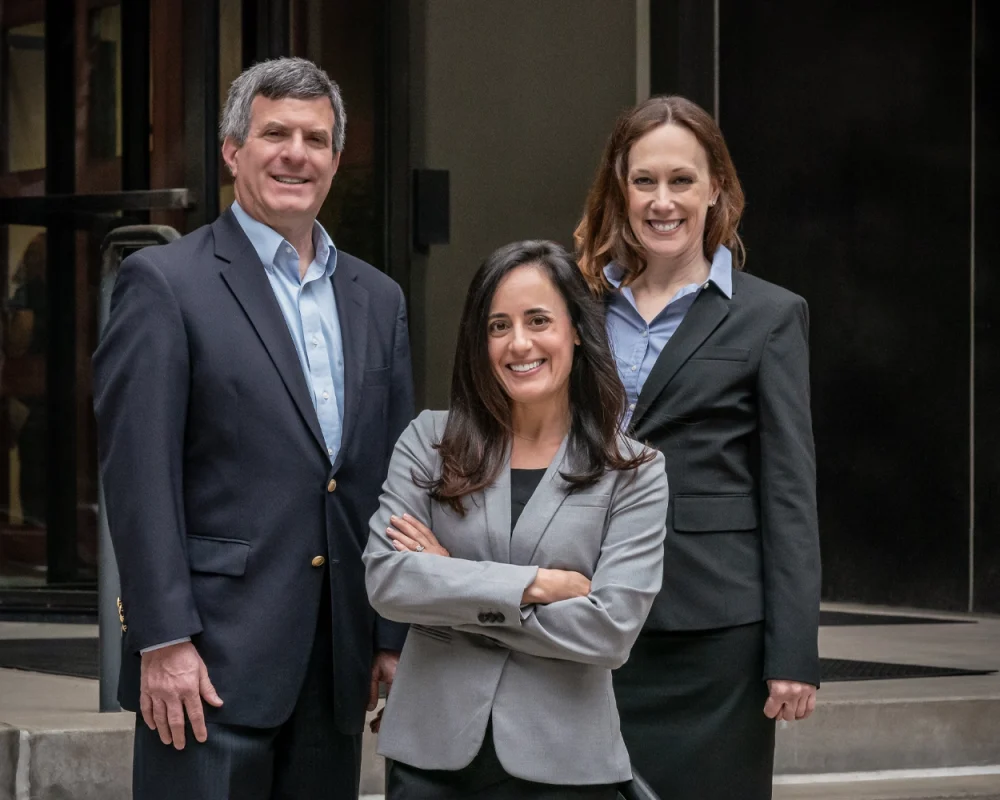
(478, 434)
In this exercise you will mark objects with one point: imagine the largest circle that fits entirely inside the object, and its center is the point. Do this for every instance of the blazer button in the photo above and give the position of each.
(484, 617)
(318, 561)
(331, 486)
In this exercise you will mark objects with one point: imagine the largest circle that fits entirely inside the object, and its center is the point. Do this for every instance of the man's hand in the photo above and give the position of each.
(383, 671)
(175, 680)
(790, 700)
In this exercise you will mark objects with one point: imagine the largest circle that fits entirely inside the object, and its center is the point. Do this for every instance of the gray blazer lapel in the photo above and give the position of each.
(709, 309)
(496, 507)
(352, 310)
(245, 276)
(537, 514)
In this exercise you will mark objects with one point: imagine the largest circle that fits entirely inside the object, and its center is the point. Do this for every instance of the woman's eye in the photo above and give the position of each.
(684, 180)
(539, 321)
(496, 327)
(642, 181)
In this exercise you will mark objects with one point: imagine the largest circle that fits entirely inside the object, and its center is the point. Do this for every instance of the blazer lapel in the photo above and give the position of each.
(352, 310)
(496, 506)
(538, 513)
(246, 278)
(704, 316)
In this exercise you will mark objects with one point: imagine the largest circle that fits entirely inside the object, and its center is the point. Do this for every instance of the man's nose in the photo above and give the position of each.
(295, 148)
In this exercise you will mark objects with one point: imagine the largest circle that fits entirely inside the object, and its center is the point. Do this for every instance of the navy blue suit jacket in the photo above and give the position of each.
(219, 490)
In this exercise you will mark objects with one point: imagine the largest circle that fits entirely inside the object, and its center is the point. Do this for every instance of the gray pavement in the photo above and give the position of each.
(54, 744)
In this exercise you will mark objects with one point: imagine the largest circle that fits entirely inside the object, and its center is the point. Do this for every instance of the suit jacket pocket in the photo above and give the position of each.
(378, 376)
(587, 500)
(713, 513)
(711, 353)
(218, 556)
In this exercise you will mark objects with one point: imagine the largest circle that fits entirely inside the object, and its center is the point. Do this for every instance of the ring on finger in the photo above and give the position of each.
(419, 548)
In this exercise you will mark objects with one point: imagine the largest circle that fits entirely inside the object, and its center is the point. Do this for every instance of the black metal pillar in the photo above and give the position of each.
(60, 394)
(682, 58)
(135, 94)
(201, 107)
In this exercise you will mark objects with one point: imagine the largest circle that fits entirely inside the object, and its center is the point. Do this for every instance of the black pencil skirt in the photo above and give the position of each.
(483, 779)
(692, 713)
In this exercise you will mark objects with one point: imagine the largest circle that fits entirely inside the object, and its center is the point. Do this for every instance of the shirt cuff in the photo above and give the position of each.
(165, 644)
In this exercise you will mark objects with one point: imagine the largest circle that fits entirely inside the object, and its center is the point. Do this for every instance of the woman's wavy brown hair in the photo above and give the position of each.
(478, 433)
(605, 235)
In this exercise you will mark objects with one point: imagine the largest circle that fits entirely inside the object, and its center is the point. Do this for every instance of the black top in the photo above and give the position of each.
(523, 483)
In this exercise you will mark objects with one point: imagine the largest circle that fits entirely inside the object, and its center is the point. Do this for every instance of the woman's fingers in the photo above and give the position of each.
(400, 538)
(425, 534)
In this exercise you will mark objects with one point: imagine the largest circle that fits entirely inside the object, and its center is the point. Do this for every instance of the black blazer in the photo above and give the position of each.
(219, 490)
(727, 403)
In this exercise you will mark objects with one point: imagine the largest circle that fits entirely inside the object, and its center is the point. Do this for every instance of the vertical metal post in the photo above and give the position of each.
(60, 384)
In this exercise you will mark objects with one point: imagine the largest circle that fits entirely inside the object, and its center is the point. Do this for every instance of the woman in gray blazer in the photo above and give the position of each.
(715, 364)
(522, 537)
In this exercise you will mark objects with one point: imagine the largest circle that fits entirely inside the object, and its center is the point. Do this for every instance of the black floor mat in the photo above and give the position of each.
(842, 669)
(75, 657)
(853, 618)
(79, 658)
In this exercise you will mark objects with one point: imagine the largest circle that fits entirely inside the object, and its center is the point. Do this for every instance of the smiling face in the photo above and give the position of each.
(531, 338)
(669, 192)
(283, 171)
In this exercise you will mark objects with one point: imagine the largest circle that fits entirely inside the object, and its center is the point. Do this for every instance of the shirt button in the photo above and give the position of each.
(326, 395)
(631, 406)
(645, 334)
(329, 451)
(315, 342)
(634, 368)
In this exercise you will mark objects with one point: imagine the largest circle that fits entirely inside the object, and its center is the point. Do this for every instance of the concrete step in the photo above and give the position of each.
(900, 785)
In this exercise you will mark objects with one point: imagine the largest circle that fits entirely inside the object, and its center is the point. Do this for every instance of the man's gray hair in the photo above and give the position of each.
(277, 79)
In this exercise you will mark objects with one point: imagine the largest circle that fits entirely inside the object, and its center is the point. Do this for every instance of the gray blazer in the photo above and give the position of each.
(543, 672)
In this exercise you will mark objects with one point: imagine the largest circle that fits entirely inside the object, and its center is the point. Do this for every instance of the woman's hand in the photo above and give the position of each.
(553, 585)
(411, 534)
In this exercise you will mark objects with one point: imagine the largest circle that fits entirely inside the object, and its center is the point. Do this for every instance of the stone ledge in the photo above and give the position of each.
(868, 736)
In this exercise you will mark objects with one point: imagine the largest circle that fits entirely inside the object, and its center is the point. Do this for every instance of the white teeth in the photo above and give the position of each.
(294, 181)
(665, 227)
(525, 367)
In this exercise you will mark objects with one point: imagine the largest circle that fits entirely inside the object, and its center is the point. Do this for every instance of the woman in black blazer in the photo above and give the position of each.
(715, 365)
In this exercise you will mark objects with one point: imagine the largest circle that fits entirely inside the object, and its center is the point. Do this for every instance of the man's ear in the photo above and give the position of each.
(230, 150)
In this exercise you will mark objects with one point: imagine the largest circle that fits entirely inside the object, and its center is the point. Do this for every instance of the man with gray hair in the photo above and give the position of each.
(249, 388)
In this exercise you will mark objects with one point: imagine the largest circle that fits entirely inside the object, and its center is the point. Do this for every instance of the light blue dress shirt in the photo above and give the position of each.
(310, 311)
(637, 343)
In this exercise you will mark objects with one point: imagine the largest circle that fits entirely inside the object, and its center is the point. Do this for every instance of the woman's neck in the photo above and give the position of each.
(538, 433)
(667, 276)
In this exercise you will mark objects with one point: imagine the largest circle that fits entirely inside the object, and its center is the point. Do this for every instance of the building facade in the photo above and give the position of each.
(868, 145)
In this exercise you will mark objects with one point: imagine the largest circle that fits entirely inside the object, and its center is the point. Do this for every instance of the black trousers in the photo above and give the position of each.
(692, 713)
(483, 779)
(305, 758)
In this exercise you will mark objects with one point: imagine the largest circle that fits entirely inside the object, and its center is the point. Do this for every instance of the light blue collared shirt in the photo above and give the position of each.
(637, 343)
(310, 311)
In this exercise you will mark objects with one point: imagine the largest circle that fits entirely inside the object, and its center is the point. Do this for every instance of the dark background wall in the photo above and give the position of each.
(987, 308)
(852, 133)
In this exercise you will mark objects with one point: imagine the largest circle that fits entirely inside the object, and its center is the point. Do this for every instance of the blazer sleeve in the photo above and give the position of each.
(602, 627)
(141, 387)
(429, 589)
(787, 486)
(391, 635)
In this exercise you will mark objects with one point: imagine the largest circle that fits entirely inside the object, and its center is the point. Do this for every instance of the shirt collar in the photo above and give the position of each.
(720, 273)
(267, 241)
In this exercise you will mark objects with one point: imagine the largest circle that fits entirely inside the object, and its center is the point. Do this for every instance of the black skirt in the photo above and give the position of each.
(692, 713)
(483, 779)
